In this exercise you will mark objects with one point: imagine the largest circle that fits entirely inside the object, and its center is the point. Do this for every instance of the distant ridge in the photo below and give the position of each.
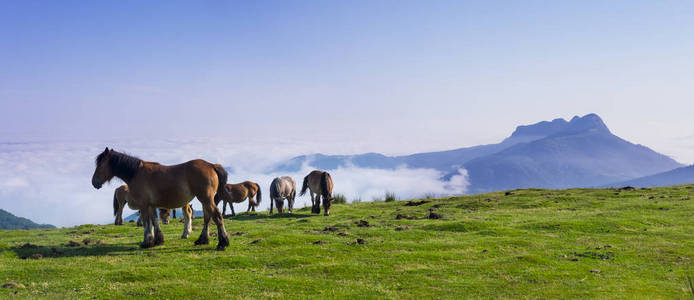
(581, 152)
(679, 176)
(10, 222)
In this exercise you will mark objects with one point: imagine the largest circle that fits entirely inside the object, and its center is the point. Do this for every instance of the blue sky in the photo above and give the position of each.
(326, 76)
(468, 71)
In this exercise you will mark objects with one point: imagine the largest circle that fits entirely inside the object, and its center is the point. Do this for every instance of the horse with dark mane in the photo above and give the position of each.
(239, 192)
(321, 184)
(282, 188)
(152, 185)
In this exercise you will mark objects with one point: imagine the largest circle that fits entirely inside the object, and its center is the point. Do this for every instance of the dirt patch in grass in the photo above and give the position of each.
(434, 216)
(10, 285)
(89, 241)
(330, 229)
(401, 216)
(416, 203)
(28, 246)
(596, 255)
(72, 244)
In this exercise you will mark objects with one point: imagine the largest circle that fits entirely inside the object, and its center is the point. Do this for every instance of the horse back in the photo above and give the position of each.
(175, 185)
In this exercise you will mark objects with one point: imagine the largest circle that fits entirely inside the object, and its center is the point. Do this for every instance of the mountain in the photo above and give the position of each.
(445, 161)
(10, 221)
(679, 176)
(581, 152)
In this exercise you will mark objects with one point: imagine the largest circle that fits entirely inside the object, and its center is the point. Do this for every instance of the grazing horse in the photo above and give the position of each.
(152, 185)
(239, 192)
(120, 198)
(320, 184)
(282, 188)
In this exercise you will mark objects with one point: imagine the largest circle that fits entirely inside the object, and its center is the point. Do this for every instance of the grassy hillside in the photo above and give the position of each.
(577, 243)
(10, 221)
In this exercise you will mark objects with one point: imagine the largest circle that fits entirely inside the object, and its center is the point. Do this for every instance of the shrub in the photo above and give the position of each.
(339, 199)
(390, 197)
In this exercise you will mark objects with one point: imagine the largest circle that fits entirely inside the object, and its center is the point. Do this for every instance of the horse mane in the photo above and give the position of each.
(122, 165)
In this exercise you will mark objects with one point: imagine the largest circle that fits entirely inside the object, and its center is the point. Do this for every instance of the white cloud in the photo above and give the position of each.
(50, 182)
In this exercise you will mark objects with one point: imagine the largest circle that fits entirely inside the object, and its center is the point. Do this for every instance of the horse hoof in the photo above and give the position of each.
(202, 241)
(145, 245)
(220, 247)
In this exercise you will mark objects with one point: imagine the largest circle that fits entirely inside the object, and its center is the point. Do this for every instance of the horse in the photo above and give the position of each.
(120, 198)
(321, 184)
(152, 185)
(239, 192)
(282, 188)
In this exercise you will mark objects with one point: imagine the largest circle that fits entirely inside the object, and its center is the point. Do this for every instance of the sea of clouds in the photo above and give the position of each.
(50, 181)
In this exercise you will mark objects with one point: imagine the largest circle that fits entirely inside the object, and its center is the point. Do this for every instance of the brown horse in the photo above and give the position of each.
(239, 192)
(152, 185)
(320, 184)
(120, 198)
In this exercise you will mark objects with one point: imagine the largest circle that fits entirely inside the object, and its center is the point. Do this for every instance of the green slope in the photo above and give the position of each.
(578, 243)
(10, 221)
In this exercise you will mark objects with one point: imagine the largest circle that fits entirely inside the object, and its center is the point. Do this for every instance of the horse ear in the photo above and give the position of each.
(106, 150)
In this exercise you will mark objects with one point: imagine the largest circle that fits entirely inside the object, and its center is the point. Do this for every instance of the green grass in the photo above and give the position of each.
(578, 243)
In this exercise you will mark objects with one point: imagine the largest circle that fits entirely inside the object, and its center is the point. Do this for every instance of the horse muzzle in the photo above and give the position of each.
(97, 185)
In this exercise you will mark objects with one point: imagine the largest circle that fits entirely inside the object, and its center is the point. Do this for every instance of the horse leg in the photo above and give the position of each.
(224, 207)
(249, 205)
(290, 202)
(204, 238)
(272, 199)
(158, 235)
(164, 215)
(119, 213)
(313, 203)
(187, 221)
(233, 213)
(280, 205)
(326, 206)
(148, 240)
(216, 216)
(316, 204)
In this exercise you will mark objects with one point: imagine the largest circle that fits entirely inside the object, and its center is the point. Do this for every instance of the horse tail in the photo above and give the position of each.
(324, 184)
(221, 187)
(304, 186)
(258, 195)
(115, 203)
(274, 189)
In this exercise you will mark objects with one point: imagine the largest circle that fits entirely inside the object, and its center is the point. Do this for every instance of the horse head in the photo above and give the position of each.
(103, 172)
